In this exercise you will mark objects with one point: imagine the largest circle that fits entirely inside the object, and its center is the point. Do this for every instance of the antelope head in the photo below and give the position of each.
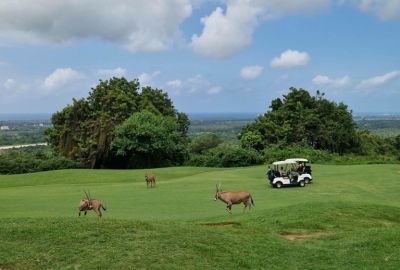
(218, 191)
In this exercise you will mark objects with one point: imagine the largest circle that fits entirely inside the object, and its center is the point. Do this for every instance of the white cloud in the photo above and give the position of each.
(290, 58)
(214, 90)
(138, 25)
(379, 80)
(174, 83)
(227, 32)
(62, 77)
(196, 83)
(9, 84)
(325, 81)
(384, 9)
(14, 87)
(251, 72)
(146, 79)
(117, 72)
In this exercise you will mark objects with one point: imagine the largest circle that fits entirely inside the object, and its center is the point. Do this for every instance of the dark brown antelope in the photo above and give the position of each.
(231, 198)
(150, 180)
(88, 203)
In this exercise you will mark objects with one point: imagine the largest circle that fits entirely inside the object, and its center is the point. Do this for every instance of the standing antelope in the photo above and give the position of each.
(231, 198)
(87, 204)
(150, 180)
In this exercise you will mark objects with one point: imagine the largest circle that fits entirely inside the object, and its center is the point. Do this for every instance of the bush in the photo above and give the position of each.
(276, 152)
(33, 159)
(226, 156)
(204, 142)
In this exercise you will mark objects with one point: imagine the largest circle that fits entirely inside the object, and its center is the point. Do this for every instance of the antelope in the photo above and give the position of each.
(150, 180)
(87, 203)
(231, 198)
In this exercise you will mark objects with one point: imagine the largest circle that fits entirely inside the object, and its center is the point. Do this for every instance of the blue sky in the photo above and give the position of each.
(210, 56)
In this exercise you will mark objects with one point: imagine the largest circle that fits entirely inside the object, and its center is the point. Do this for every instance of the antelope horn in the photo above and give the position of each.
(87, 196)
(90, 197)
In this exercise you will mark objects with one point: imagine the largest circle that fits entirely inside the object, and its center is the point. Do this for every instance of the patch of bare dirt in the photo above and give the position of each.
(221, 224)
(298, 236)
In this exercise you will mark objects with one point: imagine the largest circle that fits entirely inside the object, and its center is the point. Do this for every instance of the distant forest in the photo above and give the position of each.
(224, 126)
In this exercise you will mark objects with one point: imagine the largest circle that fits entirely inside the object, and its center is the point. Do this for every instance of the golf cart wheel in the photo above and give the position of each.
(307, 180)
(278, 184)
(302, 183)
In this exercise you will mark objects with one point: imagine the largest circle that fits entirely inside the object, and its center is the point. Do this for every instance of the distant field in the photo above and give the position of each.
(349, 218)
(386, 126)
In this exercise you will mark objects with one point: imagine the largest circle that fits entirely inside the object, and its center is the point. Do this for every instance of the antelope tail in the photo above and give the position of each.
(102, 206)
(252, 202)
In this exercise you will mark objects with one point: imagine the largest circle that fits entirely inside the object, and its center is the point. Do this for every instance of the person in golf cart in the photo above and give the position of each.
(300, 169)
(304, 167)
(282, 172)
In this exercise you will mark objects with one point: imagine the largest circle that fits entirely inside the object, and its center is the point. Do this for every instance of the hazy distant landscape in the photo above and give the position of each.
(29, 128)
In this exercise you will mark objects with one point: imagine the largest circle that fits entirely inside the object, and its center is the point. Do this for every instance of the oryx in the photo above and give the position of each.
(231, 198)
(88, 203)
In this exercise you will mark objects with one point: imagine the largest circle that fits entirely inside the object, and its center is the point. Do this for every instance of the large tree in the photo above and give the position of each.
(146, 139)
(84, 129)
(302, 118)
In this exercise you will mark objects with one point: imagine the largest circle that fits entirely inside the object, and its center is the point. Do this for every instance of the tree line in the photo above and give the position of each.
(123, 125)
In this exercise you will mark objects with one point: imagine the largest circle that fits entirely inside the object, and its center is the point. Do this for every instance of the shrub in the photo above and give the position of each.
(226, 156)
(276, 152)
(33, 160)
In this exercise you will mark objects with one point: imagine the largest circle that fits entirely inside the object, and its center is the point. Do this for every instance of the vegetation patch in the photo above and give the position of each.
(222, 224)
(298, 236)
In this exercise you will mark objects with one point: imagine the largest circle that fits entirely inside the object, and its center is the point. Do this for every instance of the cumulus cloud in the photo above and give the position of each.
(290, 58)
(9, 84)
(325, 81)
(214, 90)
(379, 80)
(226, 32)
(146, 79)
(14, 87)
(117, 72)
(384, 9)
(174, 83)
(196, 83)
(251, 72)
(62, 77)
(138, 25)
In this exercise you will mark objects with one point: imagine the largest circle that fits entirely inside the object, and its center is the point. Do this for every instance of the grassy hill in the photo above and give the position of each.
(348, 218)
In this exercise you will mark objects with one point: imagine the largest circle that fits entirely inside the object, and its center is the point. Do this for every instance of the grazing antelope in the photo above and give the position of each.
(150, 180)
(87, 204)
(231, 198)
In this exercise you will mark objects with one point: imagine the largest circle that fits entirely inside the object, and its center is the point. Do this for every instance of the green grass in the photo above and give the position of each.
(349, 218)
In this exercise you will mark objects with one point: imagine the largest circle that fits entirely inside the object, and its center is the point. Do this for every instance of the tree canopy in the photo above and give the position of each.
(85, 129)
(301, 118)
(146, 140)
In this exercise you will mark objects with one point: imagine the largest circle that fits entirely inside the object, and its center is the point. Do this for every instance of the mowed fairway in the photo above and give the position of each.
(349, 218)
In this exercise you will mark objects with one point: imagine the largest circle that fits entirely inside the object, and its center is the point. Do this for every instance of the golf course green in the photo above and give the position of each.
(348, 218)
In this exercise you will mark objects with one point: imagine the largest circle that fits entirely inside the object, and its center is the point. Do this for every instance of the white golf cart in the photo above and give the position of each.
(303, 168)
(284, 173)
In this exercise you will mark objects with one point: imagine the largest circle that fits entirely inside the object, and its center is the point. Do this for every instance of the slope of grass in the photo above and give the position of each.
(348, 218)
(336, 236)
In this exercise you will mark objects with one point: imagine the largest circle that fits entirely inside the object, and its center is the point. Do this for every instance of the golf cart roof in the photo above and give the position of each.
(297, 159)
(283, 162)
